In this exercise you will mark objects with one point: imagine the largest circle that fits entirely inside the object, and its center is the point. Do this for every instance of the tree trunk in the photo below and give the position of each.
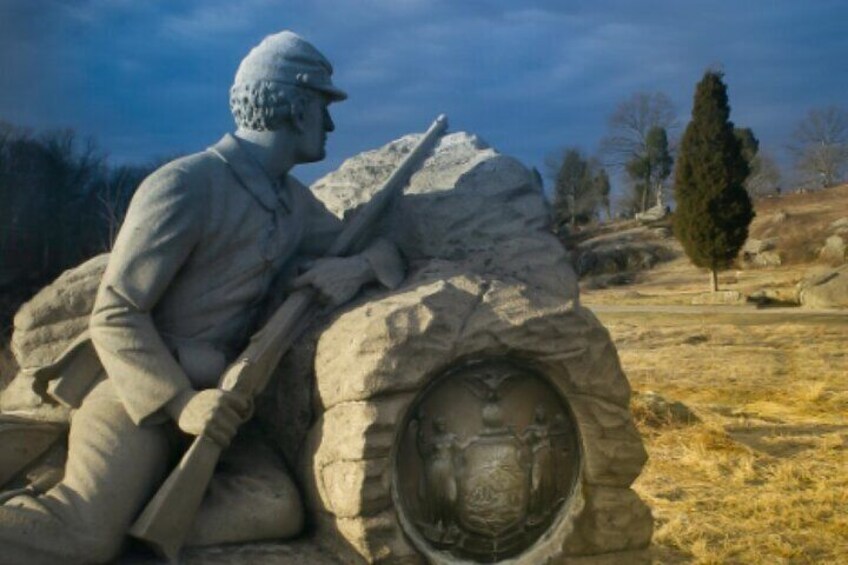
(713, 280)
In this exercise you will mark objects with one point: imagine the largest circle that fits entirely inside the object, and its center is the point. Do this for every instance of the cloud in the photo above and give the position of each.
(528, 76)
(207, 21)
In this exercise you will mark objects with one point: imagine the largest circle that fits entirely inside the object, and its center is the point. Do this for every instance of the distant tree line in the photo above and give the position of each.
(640, 145)
(60, 203)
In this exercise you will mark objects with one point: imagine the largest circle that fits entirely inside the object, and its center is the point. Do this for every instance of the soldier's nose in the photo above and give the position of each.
(329, 125)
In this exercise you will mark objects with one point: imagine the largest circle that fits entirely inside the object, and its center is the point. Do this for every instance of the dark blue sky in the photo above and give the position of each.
(150, 78)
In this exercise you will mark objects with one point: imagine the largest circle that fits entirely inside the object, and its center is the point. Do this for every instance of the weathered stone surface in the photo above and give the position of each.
(834, 250)
(825, 288)
(614, 455)
(400, 340)
(656, 410)
(612, 520)
(617, 257)
(47, 324)
(774, 297)
(43, 328)
(466, 204)
(719, 297)
(352, 464)
(652, 214)
(625, 251)
(296, 552)
(377, 538)
(766, 259)
(761, 253)
(374, 359)
(753, 246)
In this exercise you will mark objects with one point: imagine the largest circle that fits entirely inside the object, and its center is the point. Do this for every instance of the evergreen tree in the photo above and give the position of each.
(749, 142)
(575, 189)
(713, 207)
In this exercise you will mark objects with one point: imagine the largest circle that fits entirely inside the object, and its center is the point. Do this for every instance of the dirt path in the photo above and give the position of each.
(740, 315)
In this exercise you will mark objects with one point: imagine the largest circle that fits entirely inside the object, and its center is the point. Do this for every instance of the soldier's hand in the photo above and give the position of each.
(337, 279)
(213, 413)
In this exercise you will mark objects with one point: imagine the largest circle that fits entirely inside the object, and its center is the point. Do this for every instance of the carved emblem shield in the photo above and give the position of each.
(493, 492)
(487, 458)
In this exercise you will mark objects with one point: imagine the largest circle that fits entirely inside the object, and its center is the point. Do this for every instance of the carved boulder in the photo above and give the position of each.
(478, 413)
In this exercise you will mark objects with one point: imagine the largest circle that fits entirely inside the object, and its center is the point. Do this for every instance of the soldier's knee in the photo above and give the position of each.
(292, 518)
(99, 547)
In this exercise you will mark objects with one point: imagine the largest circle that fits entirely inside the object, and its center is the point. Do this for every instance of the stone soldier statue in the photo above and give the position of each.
(205, 240)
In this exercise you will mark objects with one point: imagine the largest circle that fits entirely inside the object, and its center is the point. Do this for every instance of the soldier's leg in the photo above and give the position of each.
(113, 467)
(251, 497)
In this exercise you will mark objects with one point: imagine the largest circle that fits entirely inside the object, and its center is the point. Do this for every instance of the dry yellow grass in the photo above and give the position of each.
(763, 478)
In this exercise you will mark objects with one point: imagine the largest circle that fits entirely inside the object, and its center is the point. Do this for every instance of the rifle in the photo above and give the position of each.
(165, 521)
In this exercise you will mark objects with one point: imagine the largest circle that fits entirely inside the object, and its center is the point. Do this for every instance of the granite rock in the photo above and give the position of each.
(374, 358)
(825, 288)
(466, 204)
(834, 250)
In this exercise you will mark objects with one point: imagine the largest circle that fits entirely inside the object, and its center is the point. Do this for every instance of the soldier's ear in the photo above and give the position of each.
(298, 114)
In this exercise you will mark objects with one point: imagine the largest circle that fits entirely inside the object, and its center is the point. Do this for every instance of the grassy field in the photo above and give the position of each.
(763, 476)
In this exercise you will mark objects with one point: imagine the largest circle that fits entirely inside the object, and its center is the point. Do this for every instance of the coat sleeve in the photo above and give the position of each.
(162, 226)
(321, 229)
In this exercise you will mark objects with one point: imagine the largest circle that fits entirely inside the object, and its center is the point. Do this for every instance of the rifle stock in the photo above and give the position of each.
(167, 518)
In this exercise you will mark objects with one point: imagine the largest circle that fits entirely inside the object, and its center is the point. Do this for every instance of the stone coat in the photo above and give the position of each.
(203, 240)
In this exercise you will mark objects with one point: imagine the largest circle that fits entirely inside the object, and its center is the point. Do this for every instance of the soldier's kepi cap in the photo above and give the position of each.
(287, 58)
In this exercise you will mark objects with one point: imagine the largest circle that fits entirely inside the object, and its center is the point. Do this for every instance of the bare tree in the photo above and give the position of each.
(764, 177)
(627, 146)
(47, 184)
(630, 123)
(113, 197)
(71, 169)
(820, 146)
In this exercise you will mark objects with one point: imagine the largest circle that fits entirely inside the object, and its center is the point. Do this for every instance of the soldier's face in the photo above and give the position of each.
(315, 125)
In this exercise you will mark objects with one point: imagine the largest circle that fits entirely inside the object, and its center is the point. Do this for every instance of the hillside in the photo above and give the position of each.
(758, 474)
(633, 263)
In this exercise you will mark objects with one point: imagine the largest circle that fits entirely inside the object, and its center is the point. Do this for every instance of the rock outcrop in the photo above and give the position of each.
(43, 328)
(469, 205)
(825, 288)
(834, 250)
(761, 253)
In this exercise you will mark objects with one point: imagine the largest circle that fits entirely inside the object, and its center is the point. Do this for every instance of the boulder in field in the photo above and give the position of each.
(825, 288)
